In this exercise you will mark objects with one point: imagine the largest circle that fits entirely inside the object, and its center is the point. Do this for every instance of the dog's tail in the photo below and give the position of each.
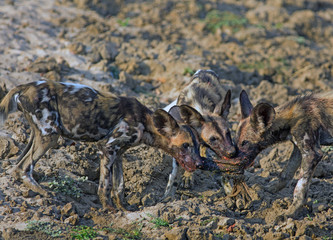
(9, 104)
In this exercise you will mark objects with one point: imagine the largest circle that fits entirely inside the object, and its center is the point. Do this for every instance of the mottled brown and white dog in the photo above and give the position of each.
(204, 104)
(307, 121)
(82, 113)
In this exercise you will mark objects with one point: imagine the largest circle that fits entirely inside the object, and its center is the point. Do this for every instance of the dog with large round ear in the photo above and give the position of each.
(262, 117)
(182, 140)
(191, 116)
(175, 113)
(165, 124)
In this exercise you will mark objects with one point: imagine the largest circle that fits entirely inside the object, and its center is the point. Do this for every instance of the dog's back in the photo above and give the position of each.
(204, 92)
(314, 111)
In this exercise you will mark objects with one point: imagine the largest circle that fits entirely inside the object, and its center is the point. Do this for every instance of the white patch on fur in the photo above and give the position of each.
(76, 87)
(301, 184)
(167, 108)
(45, 97)
(40, 82)
(111, 140)
(172, 178)
(197, 72)
(44, 123)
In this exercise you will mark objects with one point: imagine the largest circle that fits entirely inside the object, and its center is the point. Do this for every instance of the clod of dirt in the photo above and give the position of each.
(7, 146)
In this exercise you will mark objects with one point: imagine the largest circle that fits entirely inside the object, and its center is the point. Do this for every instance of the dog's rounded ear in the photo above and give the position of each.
(262, 117)
(175, 113)
(191, 116)
(223, 107)
(246, 105)
(165, 123)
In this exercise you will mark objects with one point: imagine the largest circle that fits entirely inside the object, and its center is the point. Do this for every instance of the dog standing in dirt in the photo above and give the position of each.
(204, 104)
(306, 121)
(82, 113)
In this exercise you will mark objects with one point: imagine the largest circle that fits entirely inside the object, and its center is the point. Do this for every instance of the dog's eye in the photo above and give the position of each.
(186, 145)
(212, 139)
(244, 143)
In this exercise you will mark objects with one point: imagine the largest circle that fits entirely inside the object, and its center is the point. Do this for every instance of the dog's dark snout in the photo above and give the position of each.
(231, 152)
(199, 164)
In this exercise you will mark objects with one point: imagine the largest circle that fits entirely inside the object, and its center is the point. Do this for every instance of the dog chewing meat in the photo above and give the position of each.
(306, 121)
(82, 113)
(204, 104)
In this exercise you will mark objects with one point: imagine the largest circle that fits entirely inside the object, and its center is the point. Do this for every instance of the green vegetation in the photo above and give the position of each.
(255, 65)
(123, 23)
(216, 19)
(327, 149)
(83, 232)
(159, 222)
(114, 71)
(205, 222)
(67, 186)
(189, 71)
(45, 227)
(132, 234)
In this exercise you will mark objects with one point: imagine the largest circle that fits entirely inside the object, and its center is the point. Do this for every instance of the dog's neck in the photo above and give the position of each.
(152, 137)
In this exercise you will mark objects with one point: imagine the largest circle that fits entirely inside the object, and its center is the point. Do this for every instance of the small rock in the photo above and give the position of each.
(169, 217)
(176, 234)
(199, 233)
(28, 193)
(72, 220)
(147, 200)
(77, 48)
(7, 147)
(322, 207)
(108, 51)
(127, 79)
(68, 209)
(225, 221)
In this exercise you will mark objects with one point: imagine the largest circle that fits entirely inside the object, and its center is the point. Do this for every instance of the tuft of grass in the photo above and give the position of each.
(189, 71)
(123, 23)
(159, 222)
(45, 227)
(216, 19)
(114, 72)
(250, 66)
(67, 186)
(132, 234)
(83, 232)
(327, 149)
(205, 222)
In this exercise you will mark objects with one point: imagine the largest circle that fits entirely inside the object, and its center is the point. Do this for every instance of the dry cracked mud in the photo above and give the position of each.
(274, 50)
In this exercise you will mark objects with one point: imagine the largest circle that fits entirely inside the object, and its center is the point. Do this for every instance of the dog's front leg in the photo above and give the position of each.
(118, 184)
(104, 180)
(288, 172)
(172, 178)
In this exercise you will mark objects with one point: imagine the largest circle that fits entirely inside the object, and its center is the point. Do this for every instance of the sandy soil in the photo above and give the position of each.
(149, 49)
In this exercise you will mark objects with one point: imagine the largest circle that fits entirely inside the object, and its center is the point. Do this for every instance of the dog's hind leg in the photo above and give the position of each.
(27, 148)
(24, 169)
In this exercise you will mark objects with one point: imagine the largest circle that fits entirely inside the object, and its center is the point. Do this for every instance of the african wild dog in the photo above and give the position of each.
(82, 113)
(204, 104)
(307, 121)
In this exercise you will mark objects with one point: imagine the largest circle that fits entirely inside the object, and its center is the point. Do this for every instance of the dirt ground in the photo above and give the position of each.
(150, 49)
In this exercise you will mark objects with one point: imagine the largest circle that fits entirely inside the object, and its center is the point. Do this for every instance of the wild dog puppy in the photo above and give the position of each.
(204, 104)
(306, 121)
(82, 113)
